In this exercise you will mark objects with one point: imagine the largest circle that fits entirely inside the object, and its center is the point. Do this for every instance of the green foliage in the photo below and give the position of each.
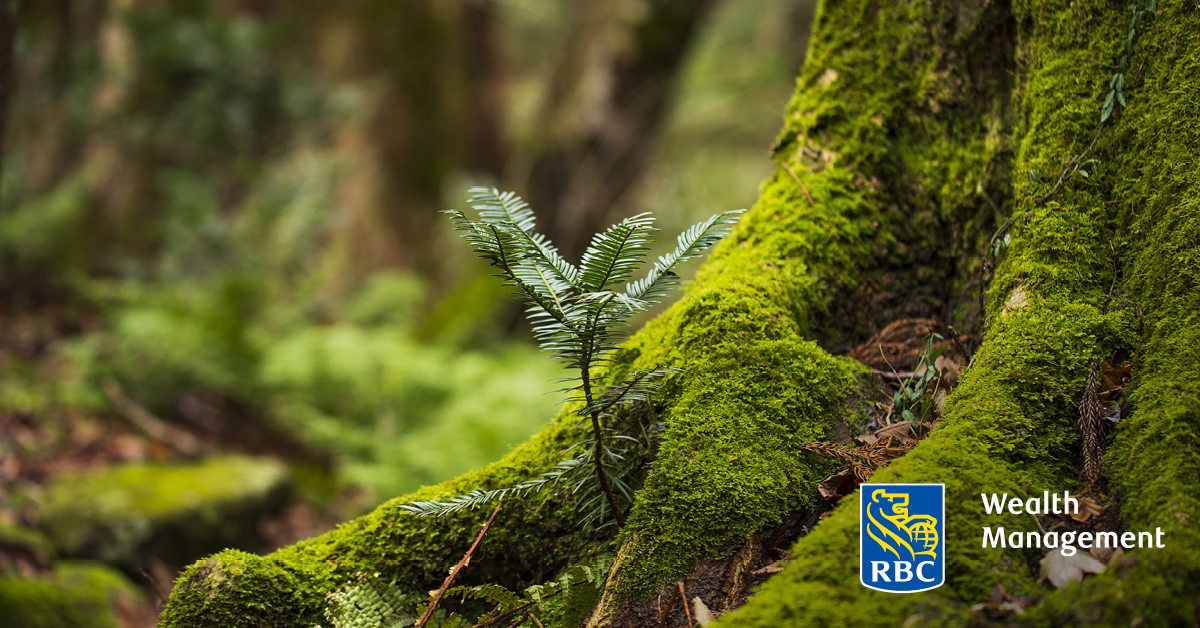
(1116, 85)
(371, 604)
(375, 603)
(580, 321)
(915, 400)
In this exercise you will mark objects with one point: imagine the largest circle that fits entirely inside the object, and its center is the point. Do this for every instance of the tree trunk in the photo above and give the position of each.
(603, 111)
(9, 11)
(430, 78)
(914, 124)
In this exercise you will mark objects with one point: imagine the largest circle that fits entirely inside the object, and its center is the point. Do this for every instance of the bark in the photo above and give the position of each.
(911, 122)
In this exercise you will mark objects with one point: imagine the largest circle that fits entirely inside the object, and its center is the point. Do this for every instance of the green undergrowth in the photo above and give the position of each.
(77, 594)
(127, 514)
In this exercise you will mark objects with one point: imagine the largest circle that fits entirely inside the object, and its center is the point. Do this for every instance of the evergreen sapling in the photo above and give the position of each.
(580, 315)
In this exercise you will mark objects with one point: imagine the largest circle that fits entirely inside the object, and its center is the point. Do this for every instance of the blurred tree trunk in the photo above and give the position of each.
(9, 12)
(429, 76)
(603, 111)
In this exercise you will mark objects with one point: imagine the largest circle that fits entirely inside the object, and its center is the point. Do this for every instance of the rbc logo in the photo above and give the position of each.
(902, 537)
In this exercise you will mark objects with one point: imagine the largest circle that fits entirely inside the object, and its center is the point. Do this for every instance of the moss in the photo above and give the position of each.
(126, 514)
(1009, 427)
(877, 151)
(79, 595)
(1154, 460)
(27, 538)
(532, 534)
(862, 133)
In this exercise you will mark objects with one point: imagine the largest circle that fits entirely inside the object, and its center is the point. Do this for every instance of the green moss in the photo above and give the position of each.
(880, 164)
(20, 536)
(532, 534)
(126, 514)
(1154, 460)
(79, 595)
(883, 164)
(1009, 427)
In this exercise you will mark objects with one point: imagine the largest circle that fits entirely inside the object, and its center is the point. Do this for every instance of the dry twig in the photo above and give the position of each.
(466, 560)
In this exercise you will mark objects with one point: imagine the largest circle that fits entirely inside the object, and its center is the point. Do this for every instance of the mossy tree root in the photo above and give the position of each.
(900, 128)
(1059, 302)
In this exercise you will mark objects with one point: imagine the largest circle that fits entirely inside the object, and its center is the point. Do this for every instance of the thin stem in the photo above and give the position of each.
(598, 455)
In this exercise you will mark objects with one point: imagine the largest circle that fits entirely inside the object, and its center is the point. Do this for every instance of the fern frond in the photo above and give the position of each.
(478, 497)
(615, 254)
(372, 603)
(508, 210)
(492, 593)
(689, 245)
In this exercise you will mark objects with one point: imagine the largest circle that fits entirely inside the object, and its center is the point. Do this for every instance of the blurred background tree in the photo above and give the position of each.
(222, 216)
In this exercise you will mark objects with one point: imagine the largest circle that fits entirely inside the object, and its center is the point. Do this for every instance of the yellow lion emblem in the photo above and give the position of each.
(917, 534)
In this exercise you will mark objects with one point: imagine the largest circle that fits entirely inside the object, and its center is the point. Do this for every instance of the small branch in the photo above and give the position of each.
(687, 612)
(798, 182)
(466, 560)
(153, 426)
(662, 621)
(894, 376)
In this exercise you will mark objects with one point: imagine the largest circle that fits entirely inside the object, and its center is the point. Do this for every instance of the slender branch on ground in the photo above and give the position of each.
(466, 560)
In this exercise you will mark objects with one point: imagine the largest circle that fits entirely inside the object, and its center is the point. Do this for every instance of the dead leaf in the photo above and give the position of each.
(949, 367)
(838, 485)
(773, 568)
(1113, 380)
(703, 616)
(1088, 508)
(901, 432)
(1062, 570)
(867, 439)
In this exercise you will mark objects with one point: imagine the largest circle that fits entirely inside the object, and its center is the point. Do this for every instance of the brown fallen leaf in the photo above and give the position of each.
(866, 439)
(1062, 570)
(773, 568)
(1088, 508)
(900, 432)
(703, 616)
(1113, 380)
(838, 485)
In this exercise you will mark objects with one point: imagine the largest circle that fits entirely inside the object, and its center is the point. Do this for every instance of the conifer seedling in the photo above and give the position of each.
(580, 315)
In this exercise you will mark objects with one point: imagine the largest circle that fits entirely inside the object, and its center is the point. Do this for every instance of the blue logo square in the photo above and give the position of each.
(902, 537)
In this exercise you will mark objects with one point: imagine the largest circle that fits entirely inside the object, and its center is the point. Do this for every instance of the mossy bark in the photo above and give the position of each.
(899, 151)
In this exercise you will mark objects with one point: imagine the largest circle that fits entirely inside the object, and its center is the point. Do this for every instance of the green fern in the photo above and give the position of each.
(370, 604)
(580, 315)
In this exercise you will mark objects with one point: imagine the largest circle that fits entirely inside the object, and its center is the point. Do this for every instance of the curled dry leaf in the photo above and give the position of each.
(773, 568)
(900, 432)
(838, 485)
(1088, 508)
(700, 611)
(1062, 570)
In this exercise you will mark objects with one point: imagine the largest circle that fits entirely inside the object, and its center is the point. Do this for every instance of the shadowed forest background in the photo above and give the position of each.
(220, 245)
